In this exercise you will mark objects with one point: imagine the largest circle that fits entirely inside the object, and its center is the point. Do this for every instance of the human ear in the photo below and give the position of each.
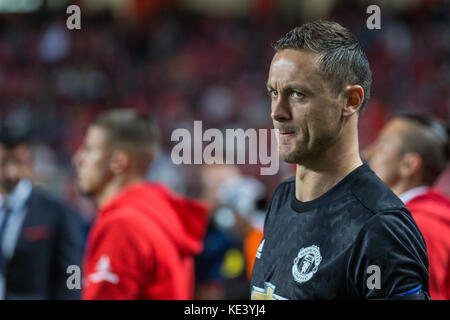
(120, 161)
(355, 97)
(410, 164)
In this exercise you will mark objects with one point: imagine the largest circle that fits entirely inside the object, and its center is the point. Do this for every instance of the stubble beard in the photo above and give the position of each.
(296, 156)
(304, 154)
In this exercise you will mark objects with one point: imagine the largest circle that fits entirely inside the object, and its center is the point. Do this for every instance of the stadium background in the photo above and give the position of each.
(186, 60)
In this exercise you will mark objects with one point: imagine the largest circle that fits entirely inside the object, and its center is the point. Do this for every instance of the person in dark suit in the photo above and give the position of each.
(40, 236)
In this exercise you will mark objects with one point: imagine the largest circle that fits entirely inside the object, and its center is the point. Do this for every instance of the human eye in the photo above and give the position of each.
(298, 94)
(273, 93)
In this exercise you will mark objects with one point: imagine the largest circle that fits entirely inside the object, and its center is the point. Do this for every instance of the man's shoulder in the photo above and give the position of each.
(285, 186)
(431, 198)
(282, 192)
(374, 195)
(387, 212)
(44, 197)
(431, 210)
(49, 202)
(128, 220)
(126, 216)
(367, 188)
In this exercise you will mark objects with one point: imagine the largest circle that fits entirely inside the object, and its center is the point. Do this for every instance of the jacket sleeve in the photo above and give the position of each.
(116, 263)
(68, 252)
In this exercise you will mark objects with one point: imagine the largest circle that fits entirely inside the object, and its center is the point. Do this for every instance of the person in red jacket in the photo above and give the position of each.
(143, 240)
(408, 156)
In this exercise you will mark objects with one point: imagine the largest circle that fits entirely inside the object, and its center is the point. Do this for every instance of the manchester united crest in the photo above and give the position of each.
(306, 263)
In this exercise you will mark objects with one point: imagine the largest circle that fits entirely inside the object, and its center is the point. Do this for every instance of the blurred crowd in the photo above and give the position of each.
(182, 67)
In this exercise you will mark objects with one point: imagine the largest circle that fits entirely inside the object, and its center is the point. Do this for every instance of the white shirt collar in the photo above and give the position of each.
(412, 193)
(19, 195)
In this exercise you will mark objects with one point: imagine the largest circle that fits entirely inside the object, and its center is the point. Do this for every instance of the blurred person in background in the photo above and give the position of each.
(244, 197)
(209, 280)
(40, 236)
(409, 155)
(223, 269)
(142, 243)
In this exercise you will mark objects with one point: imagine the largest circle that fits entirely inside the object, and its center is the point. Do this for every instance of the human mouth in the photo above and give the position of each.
(287, 133)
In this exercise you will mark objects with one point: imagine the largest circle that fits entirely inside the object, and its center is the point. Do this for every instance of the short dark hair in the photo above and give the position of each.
(133, 131)
(341, 58)
(11, 139)
(430, 139)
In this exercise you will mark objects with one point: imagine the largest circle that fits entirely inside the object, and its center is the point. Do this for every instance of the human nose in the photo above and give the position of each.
(280, 109)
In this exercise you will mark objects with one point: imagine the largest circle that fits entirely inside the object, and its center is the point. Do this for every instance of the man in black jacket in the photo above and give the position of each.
(335, 230)
(40, 237)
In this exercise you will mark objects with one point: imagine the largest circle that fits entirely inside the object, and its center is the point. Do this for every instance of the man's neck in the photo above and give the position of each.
(115, 186)
(337, 162)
